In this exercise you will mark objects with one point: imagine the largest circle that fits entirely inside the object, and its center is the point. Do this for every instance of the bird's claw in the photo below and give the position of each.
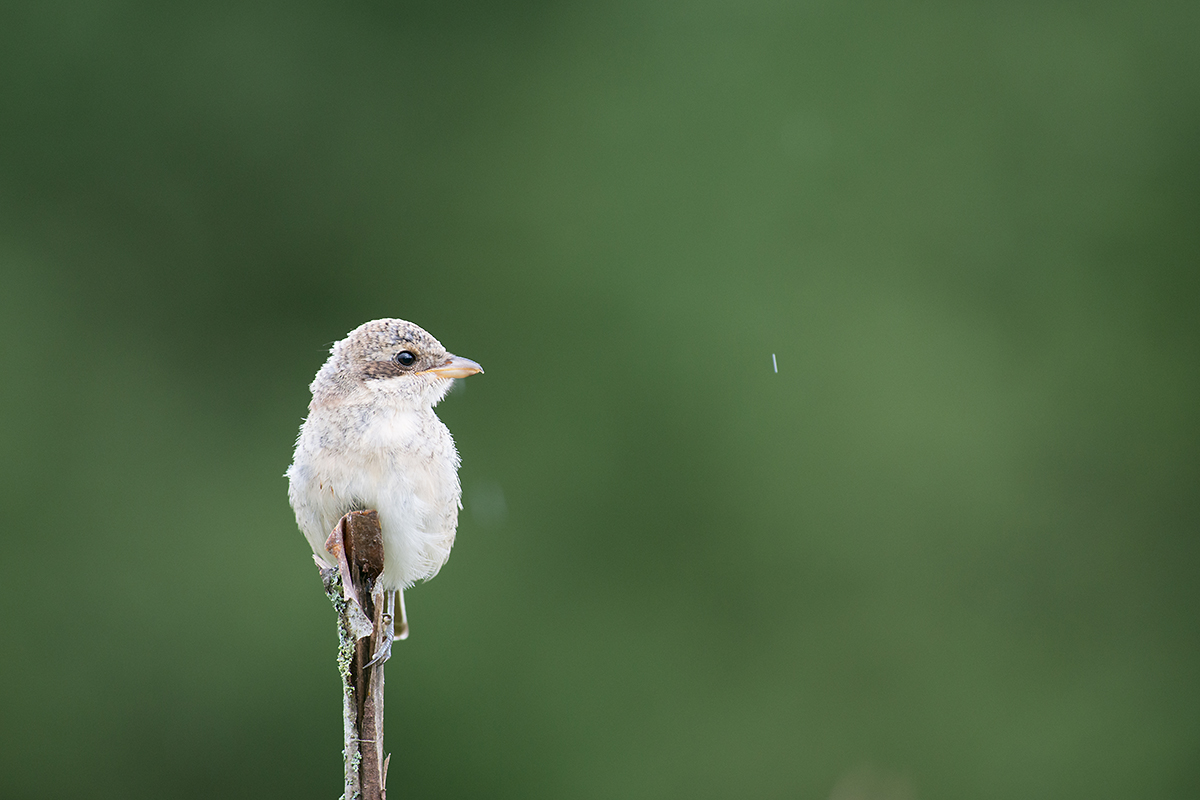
(386, 634)
(383, 643)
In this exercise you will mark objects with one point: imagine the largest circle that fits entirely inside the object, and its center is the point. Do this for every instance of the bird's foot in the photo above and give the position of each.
(383, 648)
(388, 632)
(402, 625)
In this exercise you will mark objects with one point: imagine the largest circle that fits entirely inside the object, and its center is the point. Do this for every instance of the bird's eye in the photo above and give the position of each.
(405, 358)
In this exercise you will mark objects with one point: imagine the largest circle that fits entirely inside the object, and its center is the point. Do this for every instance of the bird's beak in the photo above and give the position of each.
(455, 367)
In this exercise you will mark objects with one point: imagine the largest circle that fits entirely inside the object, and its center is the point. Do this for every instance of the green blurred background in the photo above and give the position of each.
(949, 550)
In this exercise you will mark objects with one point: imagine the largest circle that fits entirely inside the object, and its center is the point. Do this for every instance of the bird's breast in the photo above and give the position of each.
(401, 463)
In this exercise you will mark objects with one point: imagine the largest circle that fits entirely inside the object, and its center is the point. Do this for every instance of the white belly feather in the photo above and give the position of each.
(403, 464)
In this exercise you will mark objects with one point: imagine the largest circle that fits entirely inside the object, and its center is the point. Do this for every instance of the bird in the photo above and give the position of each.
(371, 440)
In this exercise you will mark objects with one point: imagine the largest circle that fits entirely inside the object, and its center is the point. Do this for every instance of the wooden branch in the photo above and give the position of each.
(357, 544)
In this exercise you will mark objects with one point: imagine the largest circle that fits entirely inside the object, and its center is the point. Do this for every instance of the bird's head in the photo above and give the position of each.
(391, 357)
